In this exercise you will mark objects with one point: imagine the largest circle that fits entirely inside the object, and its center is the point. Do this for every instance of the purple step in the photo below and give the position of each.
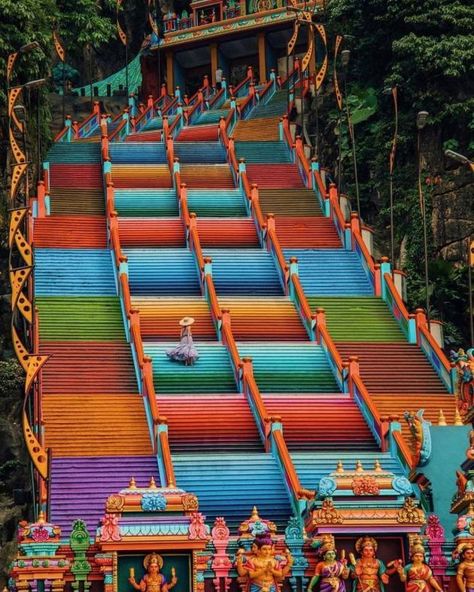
(80, 486)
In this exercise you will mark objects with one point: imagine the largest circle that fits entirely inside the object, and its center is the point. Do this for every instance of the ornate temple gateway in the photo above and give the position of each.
(224, 390)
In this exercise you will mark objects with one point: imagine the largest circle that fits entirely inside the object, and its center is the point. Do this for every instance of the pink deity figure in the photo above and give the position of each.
(465, 571)
(417, 575)
(261, 569)
(153, 580)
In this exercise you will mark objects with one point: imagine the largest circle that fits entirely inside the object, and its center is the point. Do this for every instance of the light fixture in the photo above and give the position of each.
(345, 57)
(35, 83)
(29, 47)
(458, 157)
(421, 119)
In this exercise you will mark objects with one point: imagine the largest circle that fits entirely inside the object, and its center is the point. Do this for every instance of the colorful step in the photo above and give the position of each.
(289, 202)
(317, 422)
(266, 129)
(227, 233)
(230, 485)
(146, 203)
(70, 232)
(290, 367)
(74, 272)
(85, 176)
(307, 233)
(200, 152)
(143, 176)
(96, 425)
(262, 319)
(86, 201)
(151, 232)
(201, 422)
(209, 176)
(73, 153)
(394, 368)
(80, 318)
(137, 153)
(217, 203)
(211, 373)
(275, 176)
(78, 367)
(331, 272)
(159, 317)
(162, 272)
(249, 272)
(199, 133)
(80, 486)
(263, 152)
(366, 319)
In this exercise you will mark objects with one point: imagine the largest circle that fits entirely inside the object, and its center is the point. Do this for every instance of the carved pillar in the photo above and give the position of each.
(436, 538)
(221, 563)
(294, 538)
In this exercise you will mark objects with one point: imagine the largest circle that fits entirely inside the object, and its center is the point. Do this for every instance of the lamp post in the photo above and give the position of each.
(394, 92)
(421, 120)
(345, 58)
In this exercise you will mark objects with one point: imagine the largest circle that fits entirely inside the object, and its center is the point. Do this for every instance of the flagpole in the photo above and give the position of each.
(126, 66)
(64, 93)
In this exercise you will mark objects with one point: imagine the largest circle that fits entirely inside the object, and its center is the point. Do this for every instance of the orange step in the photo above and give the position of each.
(207, 176)
(432, 404)
(96, 425)
(151, 232)
(307, 233)
(262, 319)
(70, 232)
(159, 317)
(227, 232)
(257, 129)
(141, 175)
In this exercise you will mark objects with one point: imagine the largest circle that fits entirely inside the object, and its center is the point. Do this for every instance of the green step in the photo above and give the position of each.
(358, 319)
(80, 318)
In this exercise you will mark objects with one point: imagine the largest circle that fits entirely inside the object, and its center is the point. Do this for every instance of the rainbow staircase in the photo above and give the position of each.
(280, 304)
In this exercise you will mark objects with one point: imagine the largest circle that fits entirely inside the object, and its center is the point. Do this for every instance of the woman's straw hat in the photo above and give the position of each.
(186, 321)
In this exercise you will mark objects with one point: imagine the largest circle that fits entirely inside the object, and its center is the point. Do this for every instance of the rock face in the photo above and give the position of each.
(453, 215)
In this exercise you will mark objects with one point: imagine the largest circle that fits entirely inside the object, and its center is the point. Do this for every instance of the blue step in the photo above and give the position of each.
(74, 153)
(162, 272)
(211, 373)
(74, 272)
(154, 124)
(311, 466)
(244, 272)
(276, 105)
(230, 485)
(331, 272)
(200, 152)
(150, 203)
(218, 203)
(138, 153)
(290, 367)
(263, 152)
(211, 116)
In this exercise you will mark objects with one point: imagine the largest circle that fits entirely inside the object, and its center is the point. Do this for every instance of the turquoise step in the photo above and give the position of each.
(74, 153)
(214, 203)
(311, 467)
(162, 272)
(211, 373)
(154, 124)
(263, 152)
(153, 203)
(74, 272)
(230, 485)
(211, 116)
(331, 272)
(290, 368)
(277, 105)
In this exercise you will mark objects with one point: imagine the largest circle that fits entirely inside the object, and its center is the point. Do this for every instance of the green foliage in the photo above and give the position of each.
(426, 48)
(11, 383)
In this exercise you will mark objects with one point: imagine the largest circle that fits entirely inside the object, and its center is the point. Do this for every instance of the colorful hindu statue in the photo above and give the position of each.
(153, 580)
(368, 571)
(465, 571)
(417, 575)
(329, 574)
(261, 568)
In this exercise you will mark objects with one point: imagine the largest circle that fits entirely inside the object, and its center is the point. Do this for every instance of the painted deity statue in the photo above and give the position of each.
(465, 571)
(368, 572)
(329, 574)
(153, 580)
(262, 570)
(417, 575)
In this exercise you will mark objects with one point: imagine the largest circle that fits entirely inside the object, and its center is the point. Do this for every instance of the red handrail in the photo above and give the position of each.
(321, 187)
(433, 344)
(293, 479)
(396, 296)
(118, 129)
(323, 333)
(403, 448)
(214, 302)
(248, 78)
(305, 308)
(286, 131)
